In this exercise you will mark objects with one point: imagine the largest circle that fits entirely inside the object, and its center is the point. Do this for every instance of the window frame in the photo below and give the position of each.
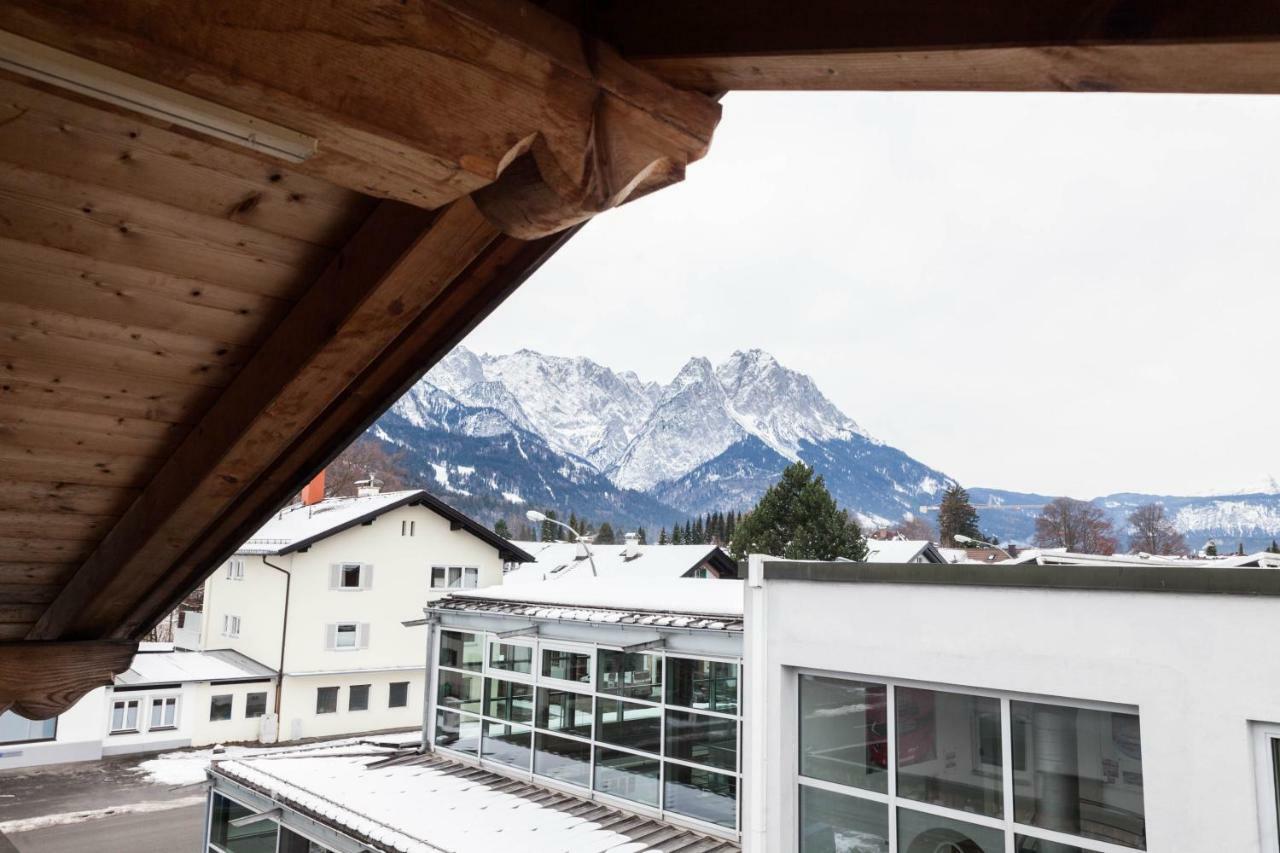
(351, 688)
(247, 696)
(1267, 769)
(230, 626)
(177, 711)
(338, 574)
(231, 709)
(391, 687)
(235, 569)
(137, 720)
(337, 694)
(52, 737)
(1007, 824)
(445, 569)
(338, 633)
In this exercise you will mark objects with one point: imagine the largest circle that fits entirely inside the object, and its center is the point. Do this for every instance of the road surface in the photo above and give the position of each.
(171, 831)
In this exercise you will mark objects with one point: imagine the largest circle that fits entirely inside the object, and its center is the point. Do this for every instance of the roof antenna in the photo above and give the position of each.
(369, 486)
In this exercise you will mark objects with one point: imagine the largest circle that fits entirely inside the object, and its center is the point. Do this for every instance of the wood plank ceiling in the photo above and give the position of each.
(190, 328)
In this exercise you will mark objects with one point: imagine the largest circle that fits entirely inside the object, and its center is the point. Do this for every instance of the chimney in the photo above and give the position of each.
(313, 492)
(632, 549)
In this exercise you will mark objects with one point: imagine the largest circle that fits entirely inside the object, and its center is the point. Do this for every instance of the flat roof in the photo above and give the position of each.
(170, 667)
(1118, 577)
(404, 801)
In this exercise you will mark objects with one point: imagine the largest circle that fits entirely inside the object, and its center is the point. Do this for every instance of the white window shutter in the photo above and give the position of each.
(335, 576)
(330, 636)
(366, 576)
(364, 635)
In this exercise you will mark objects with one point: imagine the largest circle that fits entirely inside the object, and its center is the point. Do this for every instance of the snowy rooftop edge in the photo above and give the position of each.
(671, 596)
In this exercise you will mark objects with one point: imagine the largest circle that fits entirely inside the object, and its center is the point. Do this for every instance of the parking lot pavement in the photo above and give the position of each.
(103, 805)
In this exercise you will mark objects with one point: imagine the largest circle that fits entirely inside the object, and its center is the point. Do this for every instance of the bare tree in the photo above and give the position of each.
(1075, 525)
(918, 528)
(1153, 532)
(363, 457)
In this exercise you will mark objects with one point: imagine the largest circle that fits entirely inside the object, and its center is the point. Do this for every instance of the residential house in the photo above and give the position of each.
(167, 699)
(321, 590)
(558, 560)
(564, 716)
(903, 551)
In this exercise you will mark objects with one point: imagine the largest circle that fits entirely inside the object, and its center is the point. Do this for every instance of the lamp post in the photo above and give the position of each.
(583, 542)
(969, 540)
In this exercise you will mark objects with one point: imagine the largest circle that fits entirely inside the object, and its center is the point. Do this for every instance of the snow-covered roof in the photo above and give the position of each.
(179, 667)
(1063, 557)
(902, 551)
(397, 801)
(677, 602)
(558, 560)
(296, 527)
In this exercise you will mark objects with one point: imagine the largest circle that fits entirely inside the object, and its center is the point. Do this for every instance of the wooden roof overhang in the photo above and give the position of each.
(193, 323)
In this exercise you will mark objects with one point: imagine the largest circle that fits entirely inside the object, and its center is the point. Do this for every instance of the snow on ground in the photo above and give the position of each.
(13, 827)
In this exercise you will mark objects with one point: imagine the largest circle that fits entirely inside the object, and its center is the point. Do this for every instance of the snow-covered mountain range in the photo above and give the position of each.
(499, 433)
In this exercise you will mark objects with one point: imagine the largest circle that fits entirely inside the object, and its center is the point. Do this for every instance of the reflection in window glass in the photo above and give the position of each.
(926, 833)
(632, 777)
(511, 658)
(701, 794)
(220, 707)
(835, 823)
(15, 728)
(291, 842)
(508, 700)
(938, 750)
(1027, 844)
(702, 684)
(256, 837)
(458, 691)
(566, 666)
(628, 724)
(843, 735)
(634, 675)
(326, 700)
(507, 744)
(702, 739)
(562, 711)
(457, 731)
(1079, 771)
(460, 650)
(562, 759)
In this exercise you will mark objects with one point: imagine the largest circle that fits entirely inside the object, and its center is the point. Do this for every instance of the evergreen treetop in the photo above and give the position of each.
(798, 519)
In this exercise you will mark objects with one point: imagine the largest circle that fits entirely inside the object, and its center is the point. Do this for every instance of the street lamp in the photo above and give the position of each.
(583, 543)
(969, 540)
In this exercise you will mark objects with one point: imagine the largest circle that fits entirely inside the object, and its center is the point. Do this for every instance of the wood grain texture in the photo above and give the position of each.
(42, 680)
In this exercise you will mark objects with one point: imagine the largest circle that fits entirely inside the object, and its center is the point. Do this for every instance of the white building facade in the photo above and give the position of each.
(1019, 709)
(321, 591)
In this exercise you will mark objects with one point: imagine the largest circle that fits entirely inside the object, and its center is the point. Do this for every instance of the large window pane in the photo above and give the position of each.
(566, 666)
(1027, 844)
(925, 833)
(632, 777)
(836, 823)
(702, 684)
(511, 658)
(562, 711)
(1080, 772)
(702, 739)
(940, 750)
(843, 735)
(702, 794)
(461, 650)
(635, 675)
(326, 700)
(459, 691)
(291, 842)
(508, 700)
(562, 759)
(256, 837)
(628, 724)
(507, 744)
(16, 729)
(458, 732)
(219, 708)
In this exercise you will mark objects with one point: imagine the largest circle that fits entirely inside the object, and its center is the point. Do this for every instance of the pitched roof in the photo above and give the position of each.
(218, 665)
(703, 603)
(403, 801)
(297, 527)
(560, 560)
(902, 551)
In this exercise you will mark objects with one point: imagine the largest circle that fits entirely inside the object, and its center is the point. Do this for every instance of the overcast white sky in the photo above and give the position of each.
(1072, 294)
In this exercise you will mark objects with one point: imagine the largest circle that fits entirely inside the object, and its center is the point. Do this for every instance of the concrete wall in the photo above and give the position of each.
(298, 703)
(239, 728)
(78, 737)
(1199, 669)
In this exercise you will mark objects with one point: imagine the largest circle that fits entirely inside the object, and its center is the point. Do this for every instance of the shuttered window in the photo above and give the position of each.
(346, 636)
(455, 577)
(350, 577)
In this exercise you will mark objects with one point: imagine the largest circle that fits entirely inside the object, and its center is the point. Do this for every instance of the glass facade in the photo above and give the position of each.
(598, 719)
(888, 768)
(261, 836)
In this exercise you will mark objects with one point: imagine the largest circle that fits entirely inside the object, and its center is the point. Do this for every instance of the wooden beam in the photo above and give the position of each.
(464, 303)
(42, 680)
(378, 285)
(423, 102)
(1001, 45)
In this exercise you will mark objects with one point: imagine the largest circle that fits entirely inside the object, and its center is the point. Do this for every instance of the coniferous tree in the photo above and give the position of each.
(797, 518)
(1211, 550)
(729, 526)
(604, 536)
(1240, 549)
(574, 522)
(662, 537)
(549, 530)
(1275, 547)
(677, 535)
(699, 532)
(641, 537)
(500, 528)
(688, 532)
(957, 516)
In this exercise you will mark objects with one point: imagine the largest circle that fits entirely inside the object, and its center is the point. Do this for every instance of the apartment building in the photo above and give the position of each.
(320, 593)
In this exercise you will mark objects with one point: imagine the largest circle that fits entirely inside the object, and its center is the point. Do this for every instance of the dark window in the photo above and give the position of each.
(827, 819)
(511, 657)
(562, 711)
(292, 842)
(937, 761)
(358, 697)
(398, 695)
(702, 739)
(566, 666)
(255, 705)
(326, 700)
(351, 577)
(461, 650)
(458, 731)
(702, 684)
(702, 794)
(621, 774)
(256, 837)
(562, 759)
(507, 744)
(843, 732)
(220, 707)
(458, 691)
(633, 675)
(508, 700)
(629, 725)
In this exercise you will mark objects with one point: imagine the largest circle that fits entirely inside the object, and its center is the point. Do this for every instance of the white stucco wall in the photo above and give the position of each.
(298, 703)
(1199, 669)
(78, 736)
(147, 739)
(238, 729)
